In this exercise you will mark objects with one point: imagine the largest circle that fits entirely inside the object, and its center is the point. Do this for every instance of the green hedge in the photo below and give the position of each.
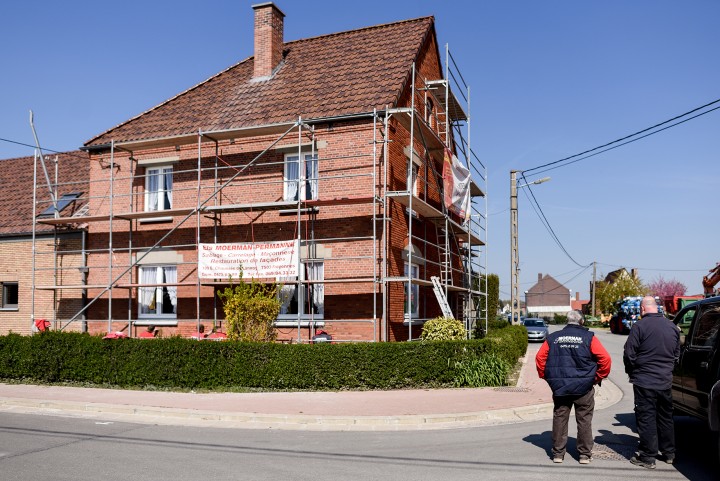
(177, 363)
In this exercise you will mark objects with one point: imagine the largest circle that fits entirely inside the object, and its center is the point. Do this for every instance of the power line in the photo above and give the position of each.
(44, 149)
(546, 223)
(622, 139)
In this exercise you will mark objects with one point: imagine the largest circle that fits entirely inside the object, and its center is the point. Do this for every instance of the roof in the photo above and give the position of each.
(332, 75)
(16, 196)
(614, 275)
(548, 285)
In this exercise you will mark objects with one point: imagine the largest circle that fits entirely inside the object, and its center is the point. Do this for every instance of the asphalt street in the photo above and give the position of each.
(48, 447)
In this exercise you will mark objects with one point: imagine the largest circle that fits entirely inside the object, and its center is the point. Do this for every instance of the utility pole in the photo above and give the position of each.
(514, 254)
(593, 289)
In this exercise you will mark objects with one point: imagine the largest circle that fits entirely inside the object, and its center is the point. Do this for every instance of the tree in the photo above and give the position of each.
(661, 287)
(493, 296)
(608, 293)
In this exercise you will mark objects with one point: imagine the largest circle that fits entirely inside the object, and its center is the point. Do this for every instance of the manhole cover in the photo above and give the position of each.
(617, 452)
(511, 389)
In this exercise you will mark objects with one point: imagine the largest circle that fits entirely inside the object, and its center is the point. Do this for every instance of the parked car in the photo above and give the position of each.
(537, 328)
(696, 378)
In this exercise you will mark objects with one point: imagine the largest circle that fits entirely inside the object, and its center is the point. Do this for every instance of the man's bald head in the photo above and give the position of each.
(648, 305)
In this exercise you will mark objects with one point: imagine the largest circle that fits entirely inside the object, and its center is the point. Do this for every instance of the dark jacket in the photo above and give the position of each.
(569, 365)
(651, 351)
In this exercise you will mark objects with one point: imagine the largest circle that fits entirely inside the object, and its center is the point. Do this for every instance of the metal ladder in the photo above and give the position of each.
(442, 300)
(444, 256)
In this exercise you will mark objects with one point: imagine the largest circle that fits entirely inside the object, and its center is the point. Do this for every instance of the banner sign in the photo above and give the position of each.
(456, 184)
(257, 260)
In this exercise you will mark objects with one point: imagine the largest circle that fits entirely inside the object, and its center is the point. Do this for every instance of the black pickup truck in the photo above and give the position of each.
(696, 379)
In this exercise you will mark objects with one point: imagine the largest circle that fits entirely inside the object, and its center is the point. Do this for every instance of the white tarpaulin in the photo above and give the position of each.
(456, 184)
(257, 260)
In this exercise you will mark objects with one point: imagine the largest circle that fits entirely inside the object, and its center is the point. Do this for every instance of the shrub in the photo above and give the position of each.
(251, 310)
(489, 370)
(443, 329)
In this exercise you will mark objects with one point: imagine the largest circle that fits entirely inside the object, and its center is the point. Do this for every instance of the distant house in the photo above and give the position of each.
(547, 298)
(582, 305)
(57, 250)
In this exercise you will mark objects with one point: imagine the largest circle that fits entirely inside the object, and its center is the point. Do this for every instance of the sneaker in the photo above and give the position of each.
(639, 462)
(668, 459)
(557, 460)
(585, 460)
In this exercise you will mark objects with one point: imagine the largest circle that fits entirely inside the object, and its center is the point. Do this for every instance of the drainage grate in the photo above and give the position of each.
(616, 452)
(511, 389)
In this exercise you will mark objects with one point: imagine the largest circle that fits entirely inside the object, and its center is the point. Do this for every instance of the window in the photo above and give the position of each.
(414, 180)
(413, 270)
(707, 324)
(158, 188)
(301, 177)
(9, 295)
(62, 203)
(309, 300)
(156, 301)
(430, 112)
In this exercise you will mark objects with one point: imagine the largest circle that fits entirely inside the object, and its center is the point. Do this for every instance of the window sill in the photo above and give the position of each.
(9, 309)
(155, 220)
(155, 322)
(303, 322)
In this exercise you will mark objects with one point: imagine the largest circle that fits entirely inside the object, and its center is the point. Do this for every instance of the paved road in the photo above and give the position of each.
(63, 448)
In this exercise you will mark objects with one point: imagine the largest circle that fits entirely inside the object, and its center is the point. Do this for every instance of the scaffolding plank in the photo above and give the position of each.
(447, 99)
(421, 132)
(418, 205)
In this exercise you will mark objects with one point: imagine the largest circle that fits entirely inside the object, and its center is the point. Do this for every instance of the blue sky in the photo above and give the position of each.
(548, 80)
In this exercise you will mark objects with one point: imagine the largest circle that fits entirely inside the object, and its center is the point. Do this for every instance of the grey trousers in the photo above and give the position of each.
(584, 406)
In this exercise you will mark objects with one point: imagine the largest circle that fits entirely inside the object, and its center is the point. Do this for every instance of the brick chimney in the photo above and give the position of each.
(268, 39)
(539, 276)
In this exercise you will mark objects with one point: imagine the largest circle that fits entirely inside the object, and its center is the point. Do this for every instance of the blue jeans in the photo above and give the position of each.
(584, 408)
(654, 419)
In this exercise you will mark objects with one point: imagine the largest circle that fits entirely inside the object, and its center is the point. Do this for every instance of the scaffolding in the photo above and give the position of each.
(227, 196)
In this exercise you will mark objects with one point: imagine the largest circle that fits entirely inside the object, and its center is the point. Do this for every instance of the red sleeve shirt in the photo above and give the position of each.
(603, 359)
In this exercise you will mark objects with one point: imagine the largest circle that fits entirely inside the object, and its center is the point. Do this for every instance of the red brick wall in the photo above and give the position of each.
(16, 260)
(346, 171)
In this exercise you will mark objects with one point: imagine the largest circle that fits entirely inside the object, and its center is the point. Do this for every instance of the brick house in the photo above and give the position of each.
(336, 165)
(34, 258)
(547, 298)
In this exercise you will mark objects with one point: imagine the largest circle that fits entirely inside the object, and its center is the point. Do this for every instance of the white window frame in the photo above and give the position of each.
(290, 292)
(4, 294)
(155, 294)
(158, 198)
(302, 185)
(414, 290)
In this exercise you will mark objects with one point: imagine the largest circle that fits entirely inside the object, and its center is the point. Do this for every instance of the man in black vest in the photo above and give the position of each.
(651, 350)
(572, 361)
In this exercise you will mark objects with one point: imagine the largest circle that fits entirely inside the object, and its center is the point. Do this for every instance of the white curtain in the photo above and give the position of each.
(153, 183)
(148, 275)
(316, 272)
(292, 175)
(168, 187)
(312, 172)
(171, 278)
(286, 293)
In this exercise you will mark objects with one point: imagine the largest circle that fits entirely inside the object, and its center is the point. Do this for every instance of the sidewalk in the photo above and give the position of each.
(343, 411)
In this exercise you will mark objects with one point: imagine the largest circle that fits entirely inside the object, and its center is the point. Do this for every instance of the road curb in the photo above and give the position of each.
(606, 395)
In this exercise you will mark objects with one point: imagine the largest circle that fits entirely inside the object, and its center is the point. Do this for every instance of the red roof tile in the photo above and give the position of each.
(344, 73)
(16, 195)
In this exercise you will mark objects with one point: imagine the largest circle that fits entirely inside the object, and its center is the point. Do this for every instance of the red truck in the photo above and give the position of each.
(673, 304)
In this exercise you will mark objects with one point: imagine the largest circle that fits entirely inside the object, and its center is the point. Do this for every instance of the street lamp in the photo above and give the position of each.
(514, 251)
